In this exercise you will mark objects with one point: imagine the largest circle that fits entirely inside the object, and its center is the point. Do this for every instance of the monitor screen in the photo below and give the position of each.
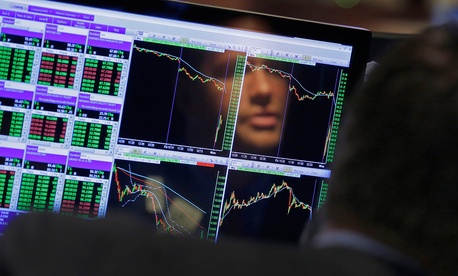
(207, 122)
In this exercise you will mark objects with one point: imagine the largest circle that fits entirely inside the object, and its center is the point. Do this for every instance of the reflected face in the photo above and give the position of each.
(262, 107)
(263, 97)
(262, 102)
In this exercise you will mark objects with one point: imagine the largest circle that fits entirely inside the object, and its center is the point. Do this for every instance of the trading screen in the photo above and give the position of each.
(152, 116)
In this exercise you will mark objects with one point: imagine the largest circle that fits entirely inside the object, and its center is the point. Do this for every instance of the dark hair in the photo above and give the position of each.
(396, 168)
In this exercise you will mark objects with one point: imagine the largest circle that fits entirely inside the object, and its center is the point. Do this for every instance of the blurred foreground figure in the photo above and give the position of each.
(395, 178)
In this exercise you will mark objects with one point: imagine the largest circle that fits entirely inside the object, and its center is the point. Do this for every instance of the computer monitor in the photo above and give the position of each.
(208, 122)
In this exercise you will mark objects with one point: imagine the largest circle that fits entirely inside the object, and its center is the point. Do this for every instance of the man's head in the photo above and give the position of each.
(395, 174)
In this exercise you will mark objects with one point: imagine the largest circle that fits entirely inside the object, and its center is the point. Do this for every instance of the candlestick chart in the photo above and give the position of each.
(293, 202)
(314, 101)
(267, 206)
(171, 201)
(192, 102)
(295, 86)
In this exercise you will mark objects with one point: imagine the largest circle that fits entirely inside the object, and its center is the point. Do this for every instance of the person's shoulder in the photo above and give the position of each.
(50, 244)
(347, 261)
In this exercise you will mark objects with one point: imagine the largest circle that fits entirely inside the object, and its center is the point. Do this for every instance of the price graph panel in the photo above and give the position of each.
(315, 114)
(178, 204)
(309, 108)
(191, 101)
(270, 207)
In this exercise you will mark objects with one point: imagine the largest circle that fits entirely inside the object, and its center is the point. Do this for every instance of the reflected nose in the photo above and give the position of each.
(261, 90)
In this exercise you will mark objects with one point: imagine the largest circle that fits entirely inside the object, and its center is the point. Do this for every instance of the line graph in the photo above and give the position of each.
(192, 72)
(314, 99)
(266, 206)
(191, 102)
(163, 217)
(293, 202)
(174, 204)
(292, 88)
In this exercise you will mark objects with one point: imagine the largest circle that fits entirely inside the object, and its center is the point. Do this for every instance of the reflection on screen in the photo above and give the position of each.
(207, 132)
